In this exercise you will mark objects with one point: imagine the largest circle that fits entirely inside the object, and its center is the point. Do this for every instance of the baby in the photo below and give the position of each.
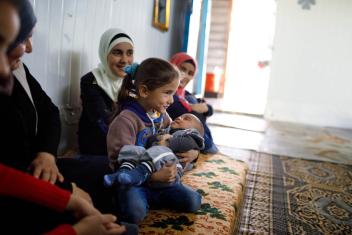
(136, 163)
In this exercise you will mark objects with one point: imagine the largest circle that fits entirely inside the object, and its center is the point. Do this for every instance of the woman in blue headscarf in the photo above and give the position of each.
(37, 133)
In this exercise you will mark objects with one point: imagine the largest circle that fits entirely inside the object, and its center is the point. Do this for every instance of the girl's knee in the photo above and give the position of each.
(193, 202)
(132, 204)
(135, 213)
(135, 217)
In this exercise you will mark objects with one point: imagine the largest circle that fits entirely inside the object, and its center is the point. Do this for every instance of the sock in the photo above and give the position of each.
(136, 176)
(111, 178)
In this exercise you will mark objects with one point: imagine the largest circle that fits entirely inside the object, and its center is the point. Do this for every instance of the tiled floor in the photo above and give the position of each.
(233, 132)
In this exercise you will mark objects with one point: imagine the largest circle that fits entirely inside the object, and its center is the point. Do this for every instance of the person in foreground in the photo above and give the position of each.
(185, 102)
(9, 26)
(35, 191)
(31, 121)
(24, 187)
(144, 97)
(138, 163)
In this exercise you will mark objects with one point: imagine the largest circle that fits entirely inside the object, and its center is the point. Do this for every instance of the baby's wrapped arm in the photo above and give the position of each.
(162, 156)
(185, 140)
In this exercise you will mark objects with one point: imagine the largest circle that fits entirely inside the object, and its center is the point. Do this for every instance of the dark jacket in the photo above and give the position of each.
(97, 111)
(19, 140)
(176, 109)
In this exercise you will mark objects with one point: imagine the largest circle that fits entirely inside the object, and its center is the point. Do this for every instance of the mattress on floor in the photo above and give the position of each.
(221, 180)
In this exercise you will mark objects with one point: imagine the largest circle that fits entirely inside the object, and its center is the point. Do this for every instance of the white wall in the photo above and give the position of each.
(311, 73)
(66, 39)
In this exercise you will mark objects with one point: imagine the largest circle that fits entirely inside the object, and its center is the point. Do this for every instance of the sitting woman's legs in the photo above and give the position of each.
(87, 171)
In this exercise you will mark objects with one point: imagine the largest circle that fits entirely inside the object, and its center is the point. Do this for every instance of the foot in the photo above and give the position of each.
(125, 177)
(136, 177)
(109, 180)
(120, 177)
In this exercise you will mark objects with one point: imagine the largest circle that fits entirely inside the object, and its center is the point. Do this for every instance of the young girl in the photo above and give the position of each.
(144, 97)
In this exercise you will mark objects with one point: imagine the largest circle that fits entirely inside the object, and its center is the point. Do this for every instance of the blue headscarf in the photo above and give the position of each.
(27, 20)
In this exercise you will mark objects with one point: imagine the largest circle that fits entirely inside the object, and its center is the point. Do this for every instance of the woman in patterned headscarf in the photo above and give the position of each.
(185, 102)
(99, 90)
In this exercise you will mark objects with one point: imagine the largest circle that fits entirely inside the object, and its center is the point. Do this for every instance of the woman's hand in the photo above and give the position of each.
(80, 207)
(91, 220)
(44, 167)
(165, 174)
(200, 107)
(98, 225)
(188, 157)
(76, 191)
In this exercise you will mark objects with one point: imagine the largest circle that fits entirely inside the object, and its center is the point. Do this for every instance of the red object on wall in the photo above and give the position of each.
(210, 82)
(263, 64)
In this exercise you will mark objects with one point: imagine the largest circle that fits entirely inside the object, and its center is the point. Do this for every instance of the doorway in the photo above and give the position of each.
(249, 54)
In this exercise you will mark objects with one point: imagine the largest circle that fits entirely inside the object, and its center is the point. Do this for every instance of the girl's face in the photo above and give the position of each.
(159, 99)
(187, 74)
(119, 57)
(16, 54)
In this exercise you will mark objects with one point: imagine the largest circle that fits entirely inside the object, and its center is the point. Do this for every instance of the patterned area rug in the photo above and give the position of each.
(220, 179)
(286, 139)
(294, 196)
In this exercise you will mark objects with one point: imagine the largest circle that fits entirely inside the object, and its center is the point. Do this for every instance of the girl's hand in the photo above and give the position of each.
(188, 157)
(164, 140)
(44, 167)
(165, 174)
(200, 108)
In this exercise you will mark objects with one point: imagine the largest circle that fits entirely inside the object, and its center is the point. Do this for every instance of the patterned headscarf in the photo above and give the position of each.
(178, 59)
(181, 57)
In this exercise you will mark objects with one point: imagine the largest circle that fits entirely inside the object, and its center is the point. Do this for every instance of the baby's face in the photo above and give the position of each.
(185, 121)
